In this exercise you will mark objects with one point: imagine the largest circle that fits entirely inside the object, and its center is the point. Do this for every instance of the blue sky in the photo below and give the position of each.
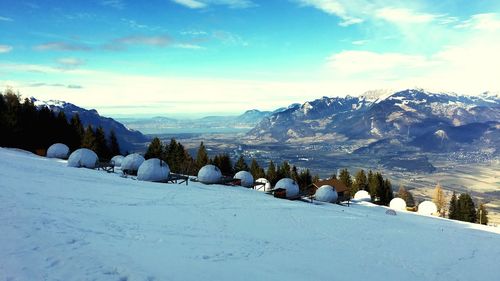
(198, 57)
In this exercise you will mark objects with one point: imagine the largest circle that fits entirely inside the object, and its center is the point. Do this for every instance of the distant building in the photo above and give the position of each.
(339, 186)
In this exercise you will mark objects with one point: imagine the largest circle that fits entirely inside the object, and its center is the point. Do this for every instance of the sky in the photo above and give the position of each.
(203, 57)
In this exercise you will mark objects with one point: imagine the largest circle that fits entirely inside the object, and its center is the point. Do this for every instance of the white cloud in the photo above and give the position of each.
(61, 46)
(70, 62)
(333, 7)
(189, 46)
(5, 19)
(486, 22)
(200, 4)
(117, 4)
(193, 4)
(5, 48)
(359, 42)
(402, 15)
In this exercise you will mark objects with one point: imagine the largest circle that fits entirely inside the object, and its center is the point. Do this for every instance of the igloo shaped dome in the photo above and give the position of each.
(363, 195)
(83, 157)
(326, 193)
(58, 150)
(153, 169)
(245, 177)
(291, 187)
(209, 174)
(132, 162)
(265, 185)
(427, 208)
(117, 160)
(397, 204)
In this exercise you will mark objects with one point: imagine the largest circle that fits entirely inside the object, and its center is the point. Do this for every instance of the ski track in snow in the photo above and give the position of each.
(61, 223)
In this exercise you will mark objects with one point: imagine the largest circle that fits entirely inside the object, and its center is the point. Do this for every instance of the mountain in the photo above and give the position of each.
(414, 116)
(127, 138)
(159, 125)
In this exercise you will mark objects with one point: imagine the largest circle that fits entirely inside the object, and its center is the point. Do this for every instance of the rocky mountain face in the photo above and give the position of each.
(127, 138)
(426, 121)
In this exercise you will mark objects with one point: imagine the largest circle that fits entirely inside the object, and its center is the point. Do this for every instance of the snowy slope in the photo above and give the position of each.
(61, 223)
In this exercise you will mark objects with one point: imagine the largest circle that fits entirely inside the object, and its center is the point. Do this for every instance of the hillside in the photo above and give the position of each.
(90, 225)
(128, 139)
(411, 117)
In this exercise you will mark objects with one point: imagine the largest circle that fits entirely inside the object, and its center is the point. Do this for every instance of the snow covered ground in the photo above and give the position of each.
(61, 223)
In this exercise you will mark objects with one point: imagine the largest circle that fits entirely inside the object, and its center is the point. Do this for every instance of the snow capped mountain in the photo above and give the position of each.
(127, 138)
(377, 115)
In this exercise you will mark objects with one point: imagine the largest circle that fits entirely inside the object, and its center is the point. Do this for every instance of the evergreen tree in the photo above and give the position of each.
(114, 146)
(284, 171)
(406, 195)
(482, 214)
(439, 199)
(88, 140)
(376, 186)
(102, 149)
(453, 208)
(387, 194)
(201, 157)
(315, 178)
(77, 132)
(256, 171)
(155, 150)
(345, 178)
(240, 165)
(271, 173)
(360, 181)
(224, 163)
(305, 181)
(466, 208)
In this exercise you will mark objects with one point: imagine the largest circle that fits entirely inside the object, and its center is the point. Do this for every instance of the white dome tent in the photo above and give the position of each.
(131, 163)
(264, 185)
(326, 193)
(245, 177)
(58, 150)
(210, 174)
(83, 157)
(397, 204)
(427, 208)
(153, 169)
(117, 160)
(362, 195)
(290, 186)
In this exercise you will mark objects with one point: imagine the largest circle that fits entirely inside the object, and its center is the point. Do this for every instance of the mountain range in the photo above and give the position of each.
(129, 139)
(423, 120)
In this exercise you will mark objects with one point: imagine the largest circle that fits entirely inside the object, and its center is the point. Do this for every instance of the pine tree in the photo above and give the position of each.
(284, 171)
(240, 165)
(271, 173)
(439, 199)
(406, 195)
(376, 187)
(346, 179)
(466, 208)
(101, 146)
(360, 181)
(482, 214)
(201, 157)
(88, 140)
(453, 209)
(114, 146)
(224, 163)
(256, 171)
(155, 150)
(77, 132)
(387, 194)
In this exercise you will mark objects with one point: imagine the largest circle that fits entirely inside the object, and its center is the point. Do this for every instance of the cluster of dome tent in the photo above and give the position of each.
(157, 170)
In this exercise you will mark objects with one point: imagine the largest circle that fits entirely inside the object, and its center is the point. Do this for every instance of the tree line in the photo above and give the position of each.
(24, 126)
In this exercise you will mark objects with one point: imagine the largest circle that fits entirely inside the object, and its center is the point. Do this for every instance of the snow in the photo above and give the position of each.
(83, 158)
(245, 177)
(153, 169)
(58, 150)
(91, 225)
(427, 208)
(397, 204)
(117, 160)
(132, 162)
(209, 174)
(292, 188)
(362, 195)
(266, 187)
(326, 193)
